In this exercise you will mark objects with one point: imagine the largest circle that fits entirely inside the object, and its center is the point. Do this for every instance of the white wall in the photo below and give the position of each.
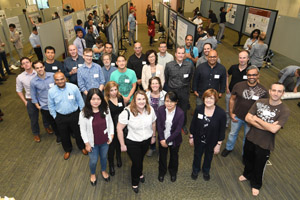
(189, 7)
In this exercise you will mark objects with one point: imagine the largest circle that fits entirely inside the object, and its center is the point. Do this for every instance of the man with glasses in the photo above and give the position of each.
(108, 49)
(243, 96)
(163, 56)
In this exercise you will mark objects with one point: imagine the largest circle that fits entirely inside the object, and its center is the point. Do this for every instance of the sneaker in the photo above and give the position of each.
(194, 176)
(206, 176)
(150, 152)
(225, 152)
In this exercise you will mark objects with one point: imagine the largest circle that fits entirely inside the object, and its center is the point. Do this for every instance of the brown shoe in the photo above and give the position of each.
(84, 152)
(67, 155)
(49, 131)
(37, 138)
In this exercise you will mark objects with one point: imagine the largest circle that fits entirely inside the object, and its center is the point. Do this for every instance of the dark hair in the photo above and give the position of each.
(78, 30)
(162, 42)
(49, 48)
(210, 32)
(98, 40)
(12, 26)
(208, 44)
(24, 58)
(79, 21)
(34, 28)
(188, 36)
(172, 96)
(159, 82)
(39, 19)
(221, 9)
(248, 53)
(210, 11)
(121, 56)
(87, 109)
(56, 13)
(94, 11)
(89, 17)
(277, 83)
(109, 43)
(36, 62)
(255, 30)
(148, 53)
(88, 27)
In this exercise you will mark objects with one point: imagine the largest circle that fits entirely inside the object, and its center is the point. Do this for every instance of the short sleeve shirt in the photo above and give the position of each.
(236, 75)
(270, 114)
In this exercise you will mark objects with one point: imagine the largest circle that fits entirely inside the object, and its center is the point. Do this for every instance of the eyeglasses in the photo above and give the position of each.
(252, 75)
(212, 56)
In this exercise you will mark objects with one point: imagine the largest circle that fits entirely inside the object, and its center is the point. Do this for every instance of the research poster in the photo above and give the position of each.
(119, 26)
(15, 20)
(230, 16)
(257, 19)
(81, 15)
(2, 15)
(100, 10)
(34, 17)
(181, 32)
(166, 19)
(69, 27)
(115, 39)
(172, 25)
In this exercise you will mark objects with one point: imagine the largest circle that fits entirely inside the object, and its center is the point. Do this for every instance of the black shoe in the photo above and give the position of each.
(161, 178)
(194, 176)
(112, 170)
(298, 104)
(58, 140)
(106, 179)
(119, 162)
(73, 135)
(142, 179)
(94, 183)
(206, 176)
(136, 190)
(173, 178)
(225, 152)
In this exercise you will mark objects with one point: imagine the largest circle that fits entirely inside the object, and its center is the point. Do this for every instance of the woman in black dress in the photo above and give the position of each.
(116, 106)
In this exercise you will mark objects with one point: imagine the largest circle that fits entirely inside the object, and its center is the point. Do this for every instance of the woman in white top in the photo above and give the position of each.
(141, 131)
(97, 131)
(152, 69)
(252, 40)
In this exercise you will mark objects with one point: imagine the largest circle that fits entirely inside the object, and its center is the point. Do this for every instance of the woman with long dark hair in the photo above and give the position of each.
(97, 131)
(252, 40)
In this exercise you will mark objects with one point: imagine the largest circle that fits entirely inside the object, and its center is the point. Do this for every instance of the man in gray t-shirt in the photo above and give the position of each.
(286, 77)
(131, 26)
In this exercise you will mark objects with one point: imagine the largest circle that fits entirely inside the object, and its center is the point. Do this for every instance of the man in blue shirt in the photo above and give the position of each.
(72, 63)
(39, 87)
(65, 103)
(79, 26)
(191, 52)
(79, 42)
(90, 74)
(108, 67)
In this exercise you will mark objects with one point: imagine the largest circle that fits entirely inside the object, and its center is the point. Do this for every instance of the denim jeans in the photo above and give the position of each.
(232, 136)
(100, 150)
(227, 98)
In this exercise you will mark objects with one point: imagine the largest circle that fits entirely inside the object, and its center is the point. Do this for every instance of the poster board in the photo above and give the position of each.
(125, 13)
(119, 26)
(234, 19)
(47, 13)
(161, 13)
(11, 12)
(68, 27)
(112, 34)
(172, 25)
(215, 7)
(262, 19)
(165, 22)
(55, 40)
(2, 15)
(205, 6)
(21, 26)
(80, 15)
(100, 11)
(184, 28)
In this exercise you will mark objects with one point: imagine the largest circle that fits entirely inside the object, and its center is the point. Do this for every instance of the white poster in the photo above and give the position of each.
(81, 16)
(181, 32)
(172, 25)
(34, 17)
(15, 21)
(166, 19)
(119, 26)
(2, 15)
(257, 19)
(69, 27)
(230, 16)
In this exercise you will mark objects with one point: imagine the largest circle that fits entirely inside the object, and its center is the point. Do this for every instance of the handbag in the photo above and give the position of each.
(125, 130)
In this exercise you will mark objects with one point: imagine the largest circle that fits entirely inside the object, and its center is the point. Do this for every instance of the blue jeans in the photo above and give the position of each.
(235, 128)
(100, 150)
(227, 99)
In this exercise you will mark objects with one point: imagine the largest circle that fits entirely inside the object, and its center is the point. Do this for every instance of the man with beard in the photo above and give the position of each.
(207, 47)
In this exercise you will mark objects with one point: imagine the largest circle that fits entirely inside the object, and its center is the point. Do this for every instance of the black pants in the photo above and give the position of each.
(114, 146)
(46, 115)
(38, 52)
(64, 124)
(199, 149)
(255, 159)
(151, 40)
(173, 162)
(136, 152)
(183, 100)
(3, 58)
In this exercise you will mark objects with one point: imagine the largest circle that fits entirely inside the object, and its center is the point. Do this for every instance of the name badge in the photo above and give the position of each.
(245, 77)
(79, 65)
(185, 75)
(75, 67)
(112, 64)
(105, 131)
(255, 97)
(200, 116)
(120, 104)
(96, 75)
(127, 81)
(54, 67)
(217, 76)
(51, 85)
(158, 72)
(144, 62)
(71, 97)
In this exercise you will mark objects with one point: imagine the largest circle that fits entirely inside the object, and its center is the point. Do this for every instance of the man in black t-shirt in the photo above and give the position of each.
(212, 19)
(52, 65)
(222, 22)
(266, 117)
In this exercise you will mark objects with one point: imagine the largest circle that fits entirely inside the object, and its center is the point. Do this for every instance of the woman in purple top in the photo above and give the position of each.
(156, 97)
(169, 121)
(97, 131)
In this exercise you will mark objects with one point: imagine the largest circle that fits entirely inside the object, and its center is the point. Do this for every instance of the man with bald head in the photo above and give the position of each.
(136, 63)
(210, 74)
(65, 103)
(72, 63)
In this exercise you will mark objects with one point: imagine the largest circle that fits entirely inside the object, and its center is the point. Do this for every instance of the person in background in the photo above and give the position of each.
(201, 34)
(210, 39)
(36, 43)
(191, 52)
(79, 42)
(107, 13)
(16, 40)
(170, 119)
(132, 7)
(252, 40)
(222, 22)
(152, 69)
(207, 47)
(4, 60)
(98, 49)
(156, 97)
(131, 26)
(107, 68)
(151, 20)
(116, 106)
(286, 77)
(258, 51)
(55, 15)
(97, 131)
(148, 10)
(212, 19)
(141, 132)
(198, 21)
(72, 63)
(90, 37)
(163, 57)
(108, 49)
(91, 24)
(52, 65)
(79, 26)
(207, 133)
